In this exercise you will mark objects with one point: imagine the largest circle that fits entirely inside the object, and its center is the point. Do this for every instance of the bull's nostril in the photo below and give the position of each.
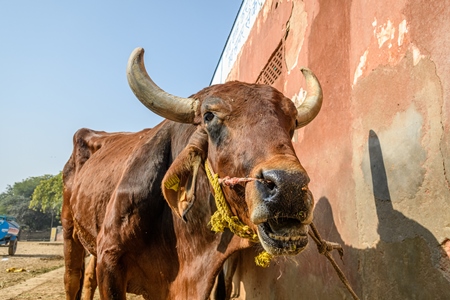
(302, 215)
(270, 184)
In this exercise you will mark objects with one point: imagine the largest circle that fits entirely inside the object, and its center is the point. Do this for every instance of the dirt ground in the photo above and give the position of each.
(31, 259)
(39, 271)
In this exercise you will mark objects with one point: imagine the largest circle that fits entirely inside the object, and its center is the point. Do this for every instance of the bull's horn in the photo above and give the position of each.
(153, 97)
(309, 109)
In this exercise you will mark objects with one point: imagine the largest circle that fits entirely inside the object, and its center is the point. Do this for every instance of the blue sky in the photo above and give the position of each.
(62, 67)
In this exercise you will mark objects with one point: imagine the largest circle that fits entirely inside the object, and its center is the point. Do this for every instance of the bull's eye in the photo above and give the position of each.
(208, 116)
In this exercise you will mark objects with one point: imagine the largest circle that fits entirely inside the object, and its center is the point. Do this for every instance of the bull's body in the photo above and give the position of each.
(161, 246)
(159, 255)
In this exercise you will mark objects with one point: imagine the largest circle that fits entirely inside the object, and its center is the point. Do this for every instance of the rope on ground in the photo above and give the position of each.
(325, 248)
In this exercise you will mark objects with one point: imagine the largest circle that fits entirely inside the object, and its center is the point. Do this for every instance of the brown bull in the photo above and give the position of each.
(140, 203)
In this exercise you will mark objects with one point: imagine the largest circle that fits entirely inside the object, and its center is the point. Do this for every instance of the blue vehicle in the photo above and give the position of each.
(9, 233)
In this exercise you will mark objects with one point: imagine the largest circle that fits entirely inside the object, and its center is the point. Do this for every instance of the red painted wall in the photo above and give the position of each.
(378, 154)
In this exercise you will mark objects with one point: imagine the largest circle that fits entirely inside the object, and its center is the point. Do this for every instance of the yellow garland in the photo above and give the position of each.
(223, 218)
(172, 183)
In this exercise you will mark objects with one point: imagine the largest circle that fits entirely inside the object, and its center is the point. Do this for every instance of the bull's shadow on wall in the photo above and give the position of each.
(407, 262)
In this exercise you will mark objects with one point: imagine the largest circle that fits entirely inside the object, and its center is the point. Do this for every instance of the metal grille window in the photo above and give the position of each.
(273, 68)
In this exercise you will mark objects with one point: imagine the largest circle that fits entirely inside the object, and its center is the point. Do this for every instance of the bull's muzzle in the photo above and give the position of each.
(283, 211)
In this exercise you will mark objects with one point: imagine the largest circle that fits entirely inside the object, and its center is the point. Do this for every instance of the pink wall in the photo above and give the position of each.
(378, 154)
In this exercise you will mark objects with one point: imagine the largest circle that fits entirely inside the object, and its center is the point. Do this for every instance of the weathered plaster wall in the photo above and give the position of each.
(378, 154)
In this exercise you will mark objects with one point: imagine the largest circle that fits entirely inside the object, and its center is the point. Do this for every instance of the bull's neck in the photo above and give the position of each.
(201, 252)
(201, 258)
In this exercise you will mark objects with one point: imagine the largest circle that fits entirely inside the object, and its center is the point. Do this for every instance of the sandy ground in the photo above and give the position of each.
(41, 267)
(31, 259)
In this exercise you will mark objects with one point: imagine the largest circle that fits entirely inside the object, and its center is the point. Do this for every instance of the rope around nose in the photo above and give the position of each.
(222, 218)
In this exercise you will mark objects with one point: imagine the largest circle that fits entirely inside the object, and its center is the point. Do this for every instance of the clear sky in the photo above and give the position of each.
(62, 67)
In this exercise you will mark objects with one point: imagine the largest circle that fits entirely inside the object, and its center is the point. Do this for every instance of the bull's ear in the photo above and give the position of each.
(180, 181)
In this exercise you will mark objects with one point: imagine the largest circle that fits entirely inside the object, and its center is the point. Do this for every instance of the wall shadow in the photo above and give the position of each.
(408, 257)
(408, 262)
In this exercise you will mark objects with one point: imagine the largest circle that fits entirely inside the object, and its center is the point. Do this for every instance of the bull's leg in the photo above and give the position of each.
(110, 271)
(90, 279)
(74, 262)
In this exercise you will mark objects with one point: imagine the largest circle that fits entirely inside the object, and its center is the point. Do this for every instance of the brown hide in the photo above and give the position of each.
(114, 205)
(115, 174)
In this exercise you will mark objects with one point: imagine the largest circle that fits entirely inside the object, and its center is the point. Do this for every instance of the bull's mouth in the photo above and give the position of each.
(283, 236)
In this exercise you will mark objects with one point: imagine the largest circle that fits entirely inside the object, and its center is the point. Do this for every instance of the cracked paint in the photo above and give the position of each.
(416, 54)
(402, 30)
(384, 33)
(299, 98)
(360, 67)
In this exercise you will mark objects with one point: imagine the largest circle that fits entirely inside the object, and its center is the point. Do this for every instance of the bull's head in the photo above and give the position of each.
(243, 130)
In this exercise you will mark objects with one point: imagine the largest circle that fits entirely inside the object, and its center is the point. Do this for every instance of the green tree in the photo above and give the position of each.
(16, 199)
(47, 196)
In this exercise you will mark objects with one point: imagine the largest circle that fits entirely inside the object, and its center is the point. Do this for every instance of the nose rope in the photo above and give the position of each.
(232, 181)
(223, 218)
